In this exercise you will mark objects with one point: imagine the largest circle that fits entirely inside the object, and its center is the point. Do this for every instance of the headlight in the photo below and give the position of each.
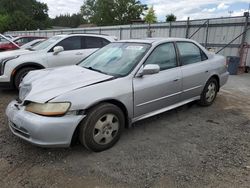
(4, 61)
(48, 109)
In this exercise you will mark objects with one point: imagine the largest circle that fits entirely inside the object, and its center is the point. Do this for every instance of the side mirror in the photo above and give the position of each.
(149, 69)
(57, 50)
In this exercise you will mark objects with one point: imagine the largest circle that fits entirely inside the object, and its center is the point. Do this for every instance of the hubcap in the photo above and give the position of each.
(211, 92)
(106, 128)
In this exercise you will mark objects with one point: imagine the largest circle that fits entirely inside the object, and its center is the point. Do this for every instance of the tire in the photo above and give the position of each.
(209, 92)
(102, 127)
(20, 75)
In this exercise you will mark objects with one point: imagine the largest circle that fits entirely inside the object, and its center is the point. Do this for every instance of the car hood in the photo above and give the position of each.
(47, 84)
(11, 53)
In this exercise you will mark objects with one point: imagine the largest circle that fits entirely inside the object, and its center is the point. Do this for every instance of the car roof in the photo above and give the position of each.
(156, 40)
(89, 35)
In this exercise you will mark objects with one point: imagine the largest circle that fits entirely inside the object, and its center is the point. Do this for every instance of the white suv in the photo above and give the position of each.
(60, 50)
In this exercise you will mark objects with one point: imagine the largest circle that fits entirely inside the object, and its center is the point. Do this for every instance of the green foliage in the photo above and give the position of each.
(112, 12)
(150, 16)
(68, 20)
(4, 20)
(171, 18)
(23, 14)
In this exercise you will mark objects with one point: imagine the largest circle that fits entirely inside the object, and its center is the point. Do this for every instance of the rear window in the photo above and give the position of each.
(94, 42)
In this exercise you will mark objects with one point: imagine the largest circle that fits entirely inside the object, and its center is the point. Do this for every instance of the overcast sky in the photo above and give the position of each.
(194, 9)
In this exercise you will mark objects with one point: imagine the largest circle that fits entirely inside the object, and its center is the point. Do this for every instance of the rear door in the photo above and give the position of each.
(157, 91)
(194, 67)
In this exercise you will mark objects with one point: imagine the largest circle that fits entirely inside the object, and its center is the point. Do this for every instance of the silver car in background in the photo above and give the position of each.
(122, 83)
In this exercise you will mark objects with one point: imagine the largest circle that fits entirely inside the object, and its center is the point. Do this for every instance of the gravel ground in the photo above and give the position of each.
(190, 146)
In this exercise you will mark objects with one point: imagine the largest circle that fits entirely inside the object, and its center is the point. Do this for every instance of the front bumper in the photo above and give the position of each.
(40, 130)
(5, 82)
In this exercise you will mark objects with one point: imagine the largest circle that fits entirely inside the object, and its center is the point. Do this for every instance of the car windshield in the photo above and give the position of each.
(47, 43)
(116, 59)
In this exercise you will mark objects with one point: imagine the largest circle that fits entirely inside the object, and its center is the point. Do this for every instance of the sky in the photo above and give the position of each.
(195, 9)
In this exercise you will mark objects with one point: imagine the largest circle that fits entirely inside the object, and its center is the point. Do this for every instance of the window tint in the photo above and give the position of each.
(71, 43)
(31, 38)
(190, 53)
(95, 42)
(163, 55)
(22, 41)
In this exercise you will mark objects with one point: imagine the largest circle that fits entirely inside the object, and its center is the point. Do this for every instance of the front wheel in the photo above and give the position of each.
(209, 93)
(20, 75)
(102, 127)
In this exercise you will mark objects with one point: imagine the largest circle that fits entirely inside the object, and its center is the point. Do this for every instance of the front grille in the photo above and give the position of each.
(21, 131)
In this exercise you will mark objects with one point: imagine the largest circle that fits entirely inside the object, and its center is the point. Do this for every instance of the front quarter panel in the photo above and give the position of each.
(38, 58)
(119, 89)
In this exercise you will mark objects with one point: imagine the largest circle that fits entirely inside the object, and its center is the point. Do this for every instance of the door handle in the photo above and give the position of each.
(176, 79)
(79, 53)
(206, 71)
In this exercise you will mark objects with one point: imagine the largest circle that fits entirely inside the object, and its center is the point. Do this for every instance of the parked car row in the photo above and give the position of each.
(15, 43)
(104, 91)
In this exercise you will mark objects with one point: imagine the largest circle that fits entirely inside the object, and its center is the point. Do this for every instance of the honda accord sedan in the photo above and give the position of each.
(121, 83)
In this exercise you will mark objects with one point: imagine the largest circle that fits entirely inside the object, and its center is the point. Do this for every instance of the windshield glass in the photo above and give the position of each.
(116, 59)
(47, 43)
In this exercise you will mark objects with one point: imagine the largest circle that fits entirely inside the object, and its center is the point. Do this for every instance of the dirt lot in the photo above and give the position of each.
(187, 147)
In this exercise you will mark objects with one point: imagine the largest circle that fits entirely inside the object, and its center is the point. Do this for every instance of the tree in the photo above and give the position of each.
(25, 14)
(150, 16)
(112, 12)
(4, 21)
(88, 9)
(171, 18)
(68, 20)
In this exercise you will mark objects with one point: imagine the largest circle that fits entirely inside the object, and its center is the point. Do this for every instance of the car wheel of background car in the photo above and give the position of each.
(102, 127)
(209, 93)
(20, 75)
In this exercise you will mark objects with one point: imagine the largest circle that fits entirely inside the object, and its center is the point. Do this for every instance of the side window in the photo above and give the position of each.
(71, 43)
(164, 56)
(105, 42)
(30, 39)
(190, 53)
(94, 42)
(22, 41)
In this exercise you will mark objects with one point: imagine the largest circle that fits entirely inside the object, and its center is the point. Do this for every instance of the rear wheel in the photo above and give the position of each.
(20, 75)
(209, 93)
(102, 127)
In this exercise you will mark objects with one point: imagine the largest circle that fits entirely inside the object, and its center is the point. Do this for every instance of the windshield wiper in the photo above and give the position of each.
(97, 70)
(30, 49)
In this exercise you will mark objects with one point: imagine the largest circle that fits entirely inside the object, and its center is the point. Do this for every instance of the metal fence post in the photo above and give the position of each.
(187, 28)
(207, 33)
(243, 39)
(130, 31)
(120, 33)
(246, 14)
(170, 29)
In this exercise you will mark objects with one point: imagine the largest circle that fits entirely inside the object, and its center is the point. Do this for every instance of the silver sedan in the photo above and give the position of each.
(122, 83)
